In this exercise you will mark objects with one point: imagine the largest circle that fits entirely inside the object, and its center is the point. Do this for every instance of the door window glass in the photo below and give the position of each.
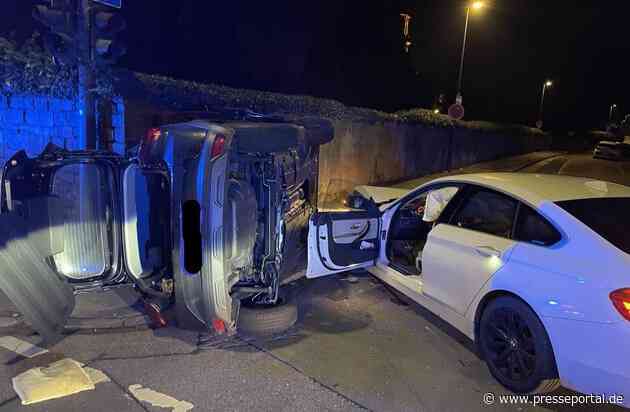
(487, 211)
(531, 227)
(82, 190)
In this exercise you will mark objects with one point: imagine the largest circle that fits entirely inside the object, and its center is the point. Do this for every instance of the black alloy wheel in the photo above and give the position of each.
(516, 347)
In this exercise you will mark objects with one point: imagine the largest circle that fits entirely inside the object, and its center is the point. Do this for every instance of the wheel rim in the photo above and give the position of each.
(509, 345)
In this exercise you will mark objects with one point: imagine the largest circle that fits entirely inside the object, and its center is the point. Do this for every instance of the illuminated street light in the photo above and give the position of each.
(405, 31)
(612, 110)
(546, 84)
(476, 5)
(436, 111)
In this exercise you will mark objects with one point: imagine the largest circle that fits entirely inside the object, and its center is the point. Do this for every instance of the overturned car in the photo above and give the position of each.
(207, 215)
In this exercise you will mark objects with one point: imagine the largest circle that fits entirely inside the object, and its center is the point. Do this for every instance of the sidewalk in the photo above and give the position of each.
(114, 308)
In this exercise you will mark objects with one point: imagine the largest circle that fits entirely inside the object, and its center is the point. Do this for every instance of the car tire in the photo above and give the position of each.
(516, 347)
(267, 319)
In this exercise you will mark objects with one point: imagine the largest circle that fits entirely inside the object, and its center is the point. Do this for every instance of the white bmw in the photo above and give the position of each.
(534, 268)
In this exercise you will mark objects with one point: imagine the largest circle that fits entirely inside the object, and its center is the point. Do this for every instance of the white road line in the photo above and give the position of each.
(21, 347)
(159, 399)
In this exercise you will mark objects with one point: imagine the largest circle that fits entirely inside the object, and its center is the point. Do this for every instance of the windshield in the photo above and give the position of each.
(607, 216)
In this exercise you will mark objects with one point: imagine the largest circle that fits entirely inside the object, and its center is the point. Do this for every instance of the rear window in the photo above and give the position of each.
(608, 217)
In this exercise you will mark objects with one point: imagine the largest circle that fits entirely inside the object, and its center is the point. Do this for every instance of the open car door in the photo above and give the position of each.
(43, 298)
(60, 230)
(341, 241)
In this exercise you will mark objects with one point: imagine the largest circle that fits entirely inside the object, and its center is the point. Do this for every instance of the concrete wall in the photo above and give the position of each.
(376, 152)
(31, 121)
(392, 151)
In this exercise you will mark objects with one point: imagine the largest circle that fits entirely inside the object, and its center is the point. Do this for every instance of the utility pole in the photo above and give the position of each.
(87, 78)
(546, 84)
(83, 34)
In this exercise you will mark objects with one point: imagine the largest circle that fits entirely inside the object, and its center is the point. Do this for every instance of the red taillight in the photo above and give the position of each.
(153, 134)
(621, 299)
(218, 147)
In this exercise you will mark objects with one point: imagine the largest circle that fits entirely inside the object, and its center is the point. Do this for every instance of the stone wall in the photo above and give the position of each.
(389, 152)
(31, 121)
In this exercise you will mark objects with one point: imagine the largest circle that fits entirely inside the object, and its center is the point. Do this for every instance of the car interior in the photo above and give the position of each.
(410, 228)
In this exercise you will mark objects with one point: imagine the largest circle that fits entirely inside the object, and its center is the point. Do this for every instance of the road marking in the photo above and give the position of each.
(96, 376)
(159, 399)
(21, 347)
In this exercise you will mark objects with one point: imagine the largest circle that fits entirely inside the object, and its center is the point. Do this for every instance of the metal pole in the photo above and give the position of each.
(542, 101)
(87, 79)
(461, 62)
(610, 115)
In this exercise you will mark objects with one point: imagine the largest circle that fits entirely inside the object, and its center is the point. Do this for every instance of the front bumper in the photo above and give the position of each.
(592, 358)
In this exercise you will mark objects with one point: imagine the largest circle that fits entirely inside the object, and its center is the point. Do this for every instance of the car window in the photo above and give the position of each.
(608, 217)
(85, 222)
(488, 212)
(531, 227)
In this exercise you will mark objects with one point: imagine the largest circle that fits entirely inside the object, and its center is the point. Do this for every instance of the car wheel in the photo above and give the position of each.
(516, 347)
(267, 319)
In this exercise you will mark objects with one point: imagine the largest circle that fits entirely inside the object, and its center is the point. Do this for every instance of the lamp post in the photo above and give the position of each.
(477, 5)
(546, 84)
(612, 110)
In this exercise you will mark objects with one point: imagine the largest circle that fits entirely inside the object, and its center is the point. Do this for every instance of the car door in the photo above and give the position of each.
(62, 230)
(341, 241)
(463, 253)
(43, 245)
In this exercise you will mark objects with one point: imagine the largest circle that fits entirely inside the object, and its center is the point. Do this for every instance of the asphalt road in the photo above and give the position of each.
(584, 165)
(357, 346)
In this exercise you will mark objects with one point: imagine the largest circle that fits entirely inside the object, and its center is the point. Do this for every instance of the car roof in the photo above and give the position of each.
(538, 188)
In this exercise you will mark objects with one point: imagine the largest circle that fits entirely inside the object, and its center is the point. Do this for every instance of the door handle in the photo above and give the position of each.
(488, 251)
(355, 226)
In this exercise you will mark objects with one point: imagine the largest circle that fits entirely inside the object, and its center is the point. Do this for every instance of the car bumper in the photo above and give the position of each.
(606, 154)
(592, 358)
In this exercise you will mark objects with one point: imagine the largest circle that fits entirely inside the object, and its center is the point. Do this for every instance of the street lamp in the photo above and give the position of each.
(612, 109)
(475, 5)
(546, 84)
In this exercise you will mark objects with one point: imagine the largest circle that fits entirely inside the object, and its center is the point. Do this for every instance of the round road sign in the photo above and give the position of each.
(456, 111)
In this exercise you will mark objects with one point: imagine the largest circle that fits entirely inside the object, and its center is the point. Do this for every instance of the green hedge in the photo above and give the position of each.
(28, 69)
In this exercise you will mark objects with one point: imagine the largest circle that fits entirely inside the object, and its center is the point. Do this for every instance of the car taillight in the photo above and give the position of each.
(218, 147)
(621, 300)
(152, 136)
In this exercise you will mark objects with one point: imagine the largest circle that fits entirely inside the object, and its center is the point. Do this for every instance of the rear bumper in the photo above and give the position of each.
(607, 153)
(592, 358)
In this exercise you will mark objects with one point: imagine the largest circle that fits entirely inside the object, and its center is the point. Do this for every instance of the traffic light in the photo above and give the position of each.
(60, 18)
(107, 46)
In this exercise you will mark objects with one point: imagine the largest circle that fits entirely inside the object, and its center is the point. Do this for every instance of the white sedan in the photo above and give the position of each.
(534, 268)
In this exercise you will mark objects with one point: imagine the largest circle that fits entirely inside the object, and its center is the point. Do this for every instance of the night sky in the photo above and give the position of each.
(352, 51)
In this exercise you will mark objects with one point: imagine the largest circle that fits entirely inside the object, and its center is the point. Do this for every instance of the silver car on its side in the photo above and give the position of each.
(206, 215)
